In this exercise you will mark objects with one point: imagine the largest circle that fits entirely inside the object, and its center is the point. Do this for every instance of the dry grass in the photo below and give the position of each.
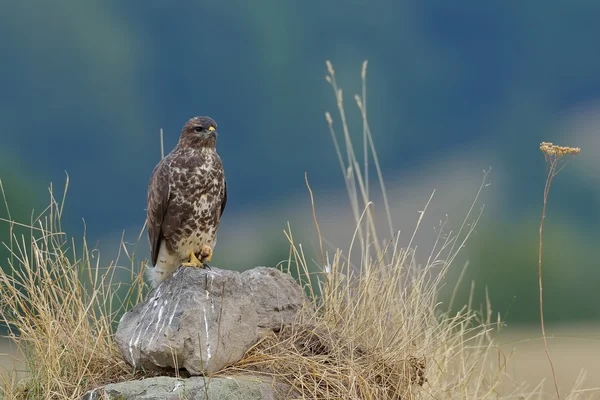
(378, 331)
(375, 329)
(60, 307)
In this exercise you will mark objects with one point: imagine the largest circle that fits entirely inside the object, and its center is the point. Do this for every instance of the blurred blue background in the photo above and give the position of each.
(453, 89)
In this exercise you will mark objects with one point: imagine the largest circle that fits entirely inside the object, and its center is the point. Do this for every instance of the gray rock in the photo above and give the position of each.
(195, 388)
(276, 295)
(203, 320)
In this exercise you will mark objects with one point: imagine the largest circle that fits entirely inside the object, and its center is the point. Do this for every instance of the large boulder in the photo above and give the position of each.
(203, 320)
(195, 388)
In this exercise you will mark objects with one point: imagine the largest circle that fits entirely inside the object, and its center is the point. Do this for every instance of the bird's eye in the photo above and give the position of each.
(198, 129)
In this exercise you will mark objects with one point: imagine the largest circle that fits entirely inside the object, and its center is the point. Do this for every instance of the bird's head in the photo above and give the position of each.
(199, 132)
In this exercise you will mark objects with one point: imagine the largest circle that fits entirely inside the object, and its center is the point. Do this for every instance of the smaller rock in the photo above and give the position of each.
(195, 388)
(203, 320)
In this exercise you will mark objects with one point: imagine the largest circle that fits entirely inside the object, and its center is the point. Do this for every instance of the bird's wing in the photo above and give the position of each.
(224, 201)
(157, 203)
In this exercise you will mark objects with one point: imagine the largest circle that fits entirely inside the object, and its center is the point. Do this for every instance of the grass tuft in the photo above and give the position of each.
(61, 307)
(376, 328)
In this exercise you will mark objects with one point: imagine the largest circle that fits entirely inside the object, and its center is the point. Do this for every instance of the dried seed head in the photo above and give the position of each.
(558, 151)
(330, 67)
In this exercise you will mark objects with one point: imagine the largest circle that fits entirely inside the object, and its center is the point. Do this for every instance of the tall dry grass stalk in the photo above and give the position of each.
(60, 306)
(553, 155)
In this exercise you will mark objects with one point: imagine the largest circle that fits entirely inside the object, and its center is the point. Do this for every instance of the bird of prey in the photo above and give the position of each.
(187, 194)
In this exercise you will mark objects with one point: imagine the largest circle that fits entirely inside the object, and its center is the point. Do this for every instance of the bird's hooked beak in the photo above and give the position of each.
(212, 132)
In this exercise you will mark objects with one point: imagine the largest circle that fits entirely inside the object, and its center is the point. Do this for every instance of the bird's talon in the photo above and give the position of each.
(206, 254)
(194, 262)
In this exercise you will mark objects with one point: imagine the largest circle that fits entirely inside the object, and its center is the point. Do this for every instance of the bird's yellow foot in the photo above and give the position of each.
(206, 254)
(194, 262)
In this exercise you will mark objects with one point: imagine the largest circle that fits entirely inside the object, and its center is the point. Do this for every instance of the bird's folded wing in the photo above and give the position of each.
(157, 203)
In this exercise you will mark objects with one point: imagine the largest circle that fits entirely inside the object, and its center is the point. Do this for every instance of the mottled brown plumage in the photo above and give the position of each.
(187, 194)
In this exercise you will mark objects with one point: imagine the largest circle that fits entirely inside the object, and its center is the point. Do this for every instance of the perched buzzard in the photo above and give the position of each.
(186, 198)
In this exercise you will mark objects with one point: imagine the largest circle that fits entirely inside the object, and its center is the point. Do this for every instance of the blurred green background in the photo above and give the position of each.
(453, 88)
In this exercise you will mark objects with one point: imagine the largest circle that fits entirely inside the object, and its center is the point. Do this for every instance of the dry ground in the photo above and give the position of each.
(8, 356)
(572, 348)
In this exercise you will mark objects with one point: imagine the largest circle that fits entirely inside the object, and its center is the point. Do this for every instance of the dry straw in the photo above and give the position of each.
(60, 306)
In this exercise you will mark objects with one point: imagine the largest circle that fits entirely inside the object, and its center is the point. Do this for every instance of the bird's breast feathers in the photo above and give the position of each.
(195, 174)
